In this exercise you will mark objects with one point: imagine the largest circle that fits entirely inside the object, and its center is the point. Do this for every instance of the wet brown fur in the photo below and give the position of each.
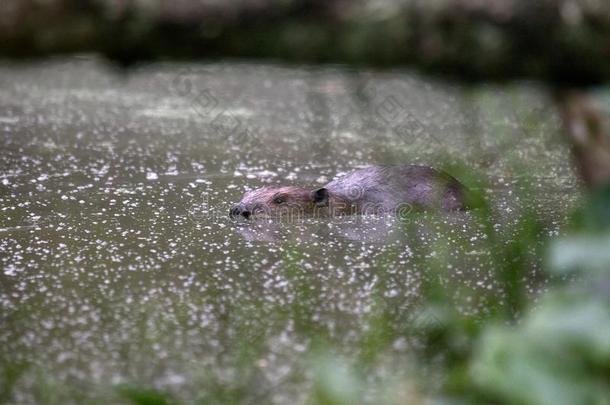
(374, 189)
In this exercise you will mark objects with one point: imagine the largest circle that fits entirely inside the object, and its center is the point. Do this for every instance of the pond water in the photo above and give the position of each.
(122, 272)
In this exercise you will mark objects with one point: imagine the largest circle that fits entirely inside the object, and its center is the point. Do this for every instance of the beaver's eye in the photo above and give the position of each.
(278, 200)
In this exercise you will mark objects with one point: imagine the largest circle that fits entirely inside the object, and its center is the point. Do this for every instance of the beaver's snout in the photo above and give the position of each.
(238, 210)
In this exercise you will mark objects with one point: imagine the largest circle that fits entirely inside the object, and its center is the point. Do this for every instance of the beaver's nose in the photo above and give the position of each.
(238, 210)
(235, 211)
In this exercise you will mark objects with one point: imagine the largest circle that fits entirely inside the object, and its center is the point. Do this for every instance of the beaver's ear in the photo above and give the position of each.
(320, 196)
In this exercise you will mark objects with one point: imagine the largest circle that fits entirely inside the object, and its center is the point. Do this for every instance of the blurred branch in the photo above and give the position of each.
(587, 133)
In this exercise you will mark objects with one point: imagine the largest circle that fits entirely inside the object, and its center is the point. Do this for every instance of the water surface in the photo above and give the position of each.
(120, 266)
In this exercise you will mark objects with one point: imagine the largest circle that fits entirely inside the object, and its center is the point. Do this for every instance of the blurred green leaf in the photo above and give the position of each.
(334, 381)
(559, 355)
(143, 396)
(585, 252)
(594, 216)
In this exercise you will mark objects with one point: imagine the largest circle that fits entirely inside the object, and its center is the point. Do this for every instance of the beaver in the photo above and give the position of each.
(369, 190)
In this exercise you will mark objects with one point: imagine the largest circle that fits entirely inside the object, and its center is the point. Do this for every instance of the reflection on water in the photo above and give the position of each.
(120, 264)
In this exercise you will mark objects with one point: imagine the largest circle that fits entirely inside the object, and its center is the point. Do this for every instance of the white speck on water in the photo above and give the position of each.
(174, 379)
(11, 270)
(391, 293)
(172, 171)
(9, 120)
(266, 173)
(152, 176)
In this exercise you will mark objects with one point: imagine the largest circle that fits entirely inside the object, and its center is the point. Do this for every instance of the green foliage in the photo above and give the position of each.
(595, 216)
(143, 396)
(9, 374)
(560, 352)
(335, 382)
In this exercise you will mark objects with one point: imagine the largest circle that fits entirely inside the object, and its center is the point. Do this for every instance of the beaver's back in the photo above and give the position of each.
(385, 188)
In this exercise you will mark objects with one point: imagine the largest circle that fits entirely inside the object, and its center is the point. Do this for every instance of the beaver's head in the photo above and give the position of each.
(277, 201)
